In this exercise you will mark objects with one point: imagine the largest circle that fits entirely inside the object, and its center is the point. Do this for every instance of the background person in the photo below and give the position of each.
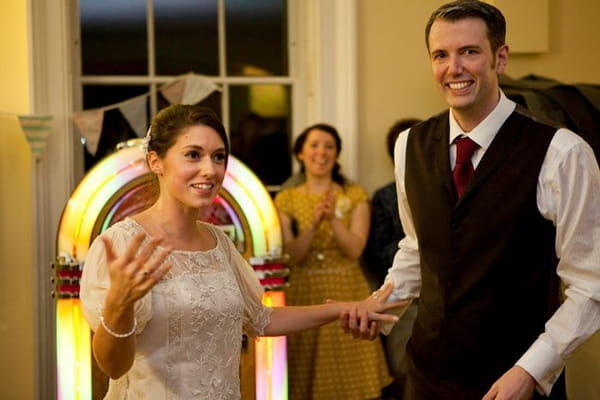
(382, 244)
(386, 227)
(325, 222)
(485, 255)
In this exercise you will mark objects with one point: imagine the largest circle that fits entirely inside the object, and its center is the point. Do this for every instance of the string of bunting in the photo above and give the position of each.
(186, 89)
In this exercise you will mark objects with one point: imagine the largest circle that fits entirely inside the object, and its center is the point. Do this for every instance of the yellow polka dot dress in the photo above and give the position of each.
(325, 363)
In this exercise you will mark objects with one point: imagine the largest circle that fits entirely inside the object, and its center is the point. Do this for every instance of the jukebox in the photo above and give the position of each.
(121, 185)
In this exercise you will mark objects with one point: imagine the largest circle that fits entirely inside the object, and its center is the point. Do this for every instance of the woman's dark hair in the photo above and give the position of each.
(336, 175)
(168, 124)
(395, 130)
(461, 9)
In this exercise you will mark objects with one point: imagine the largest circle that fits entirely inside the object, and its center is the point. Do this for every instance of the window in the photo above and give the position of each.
(130, 48)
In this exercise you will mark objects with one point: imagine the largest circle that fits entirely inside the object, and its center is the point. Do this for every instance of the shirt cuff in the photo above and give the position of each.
(386, 327)
(543, 364)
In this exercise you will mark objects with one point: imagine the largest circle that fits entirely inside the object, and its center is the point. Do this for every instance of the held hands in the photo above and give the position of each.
(135, 272)
(361, 319)
(515, 384)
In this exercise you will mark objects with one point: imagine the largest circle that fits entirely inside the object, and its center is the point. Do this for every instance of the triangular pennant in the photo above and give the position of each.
(37, 130)
(197, 88)
(173, 91)
(135, 113)
(89, 124)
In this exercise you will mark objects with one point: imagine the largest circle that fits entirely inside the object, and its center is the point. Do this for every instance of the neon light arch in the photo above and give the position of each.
(105, 185)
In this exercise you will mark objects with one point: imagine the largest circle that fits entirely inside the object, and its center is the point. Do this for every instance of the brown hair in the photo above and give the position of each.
(395, 130)
(168, 124)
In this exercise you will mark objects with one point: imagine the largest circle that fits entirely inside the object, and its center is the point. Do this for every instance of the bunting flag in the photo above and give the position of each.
(135, 112)
(173, 91)
(89, 124)
(197, 88)
(37, 129)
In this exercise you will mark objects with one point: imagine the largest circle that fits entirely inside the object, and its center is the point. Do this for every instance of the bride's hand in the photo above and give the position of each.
(135, 272)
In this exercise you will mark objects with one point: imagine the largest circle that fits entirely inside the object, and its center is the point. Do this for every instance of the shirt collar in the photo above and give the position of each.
(484, 133)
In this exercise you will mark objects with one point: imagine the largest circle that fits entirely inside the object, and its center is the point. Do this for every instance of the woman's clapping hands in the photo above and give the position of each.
(325, 210)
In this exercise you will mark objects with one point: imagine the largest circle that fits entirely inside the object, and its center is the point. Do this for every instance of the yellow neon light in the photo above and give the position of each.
(73, 352)
(270, 355)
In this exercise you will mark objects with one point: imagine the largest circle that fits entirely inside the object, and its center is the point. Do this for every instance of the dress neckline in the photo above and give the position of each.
(208, 227)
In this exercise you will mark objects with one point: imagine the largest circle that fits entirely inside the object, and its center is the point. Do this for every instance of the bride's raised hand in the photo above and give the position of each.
(136, 271)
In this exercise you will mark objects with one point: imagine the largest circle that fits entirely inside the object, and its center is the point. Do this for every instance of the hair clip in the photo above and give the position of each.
(147, 140)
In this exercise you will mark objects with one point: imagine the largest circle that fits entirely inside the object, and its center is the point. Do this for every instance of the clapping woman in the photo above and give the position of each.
(325, 222)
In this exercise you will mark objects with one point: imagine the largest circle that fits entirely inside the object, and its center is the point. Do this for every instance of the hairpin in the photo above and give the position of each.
(147, 140)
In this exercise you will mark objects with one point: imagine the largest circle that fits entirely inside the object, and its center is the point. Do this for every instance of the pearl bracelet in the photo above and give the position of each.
(118, 335)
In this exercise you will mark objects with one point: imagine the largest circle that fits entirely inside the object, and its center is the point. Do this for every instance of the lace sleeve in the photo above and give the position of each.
(95, 281)
(256, 315)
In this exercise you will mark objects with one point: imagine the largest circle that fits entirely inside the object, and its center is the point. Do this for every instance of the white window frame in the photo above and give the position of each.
(323, 52)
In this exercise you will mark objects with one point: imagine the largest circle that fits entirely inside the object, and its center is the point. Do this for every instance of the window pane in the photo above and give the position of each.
(260, 130)
(186, 35)
(113, 37)
(95, 96)
(256, 37)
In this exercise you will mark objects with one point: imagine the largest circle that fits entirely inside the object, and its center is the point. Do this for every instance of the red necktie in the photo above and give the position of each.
(463, 170)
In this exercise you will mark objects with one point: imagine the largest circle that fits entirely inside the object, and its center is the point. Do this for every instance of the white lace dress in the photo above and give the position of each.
(190, 325)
